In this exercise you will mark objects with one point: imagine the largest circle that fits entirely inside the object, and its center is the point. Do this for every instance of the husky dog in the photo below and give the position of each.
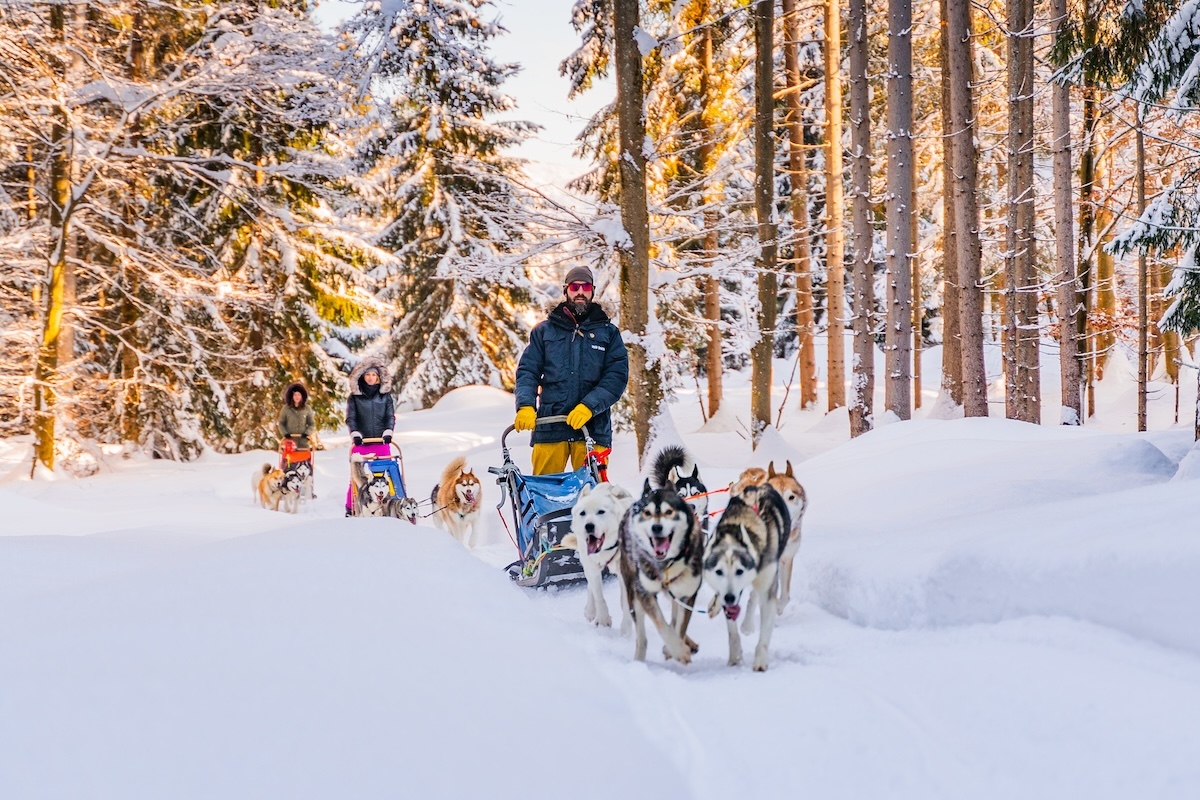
(405, 508)
(274, 487)
(371, 490)
(596, 525)
(676, 466)
(744, 554)
(456, 501)
(305, 472)
(796, 500)
(661, 547)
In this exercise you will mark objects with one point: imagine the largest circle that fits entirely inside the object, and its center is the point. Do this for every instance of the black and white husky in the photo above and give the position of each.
(742, 555)
(661, 547)
(675, 465)
(371, 489)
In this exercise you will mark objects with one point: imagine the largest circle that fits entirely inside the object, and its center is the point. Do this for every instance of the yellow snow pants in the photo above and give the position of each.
(551, 457)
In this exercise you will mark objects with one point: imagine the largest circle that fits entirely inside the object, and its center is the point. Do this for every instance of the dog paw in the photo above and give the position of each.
(760, 666)
(604, 620)
(734, 661)
(748, 626)
(695, 648)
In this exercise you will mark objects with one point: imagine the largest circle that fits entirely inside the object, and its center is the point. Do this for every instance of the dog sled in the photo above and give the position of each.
(381, 483)
(540, 506)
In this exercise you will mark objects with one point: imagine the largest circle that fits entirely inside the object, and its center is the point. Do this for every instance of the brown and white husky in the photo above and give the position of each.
(457, 500)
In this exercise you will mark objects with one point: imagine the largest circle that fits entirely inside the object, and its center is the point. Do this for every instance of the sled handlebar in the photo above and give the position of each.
(392, 447)
(587, 437)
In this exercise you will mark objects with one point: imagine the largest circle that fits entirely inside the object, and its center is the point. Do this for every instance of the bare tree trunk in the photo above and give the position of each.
(1143, 372)
(966, 207)
(918, 302)
(644, 378)
(862, 392)
(1023, 396)
(1087, 206)
(1064, 239)
(835, 287)
(45, 398)
(764, 201)
(799, 208)
(712, 286)
(898, 338)
(1104, 320)
(952, 377)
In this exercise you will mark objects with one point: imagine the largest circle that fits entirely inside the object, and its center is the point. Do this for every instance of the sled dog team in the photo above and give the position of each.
(456, 498)
(657, 544)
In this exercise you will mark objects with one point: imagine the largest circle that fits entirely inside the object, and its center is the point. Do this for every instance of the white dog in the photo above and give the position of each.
(596, 528)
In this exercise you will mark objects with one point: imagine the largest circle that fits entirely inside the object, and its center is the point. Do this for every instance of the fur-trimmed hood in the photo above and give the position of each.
(296, 387)
(356, 382)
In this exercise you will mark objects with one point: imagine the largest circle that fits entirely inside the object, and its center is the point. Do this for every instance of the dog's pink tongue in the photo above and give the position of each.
(731, 612)
(593, 545)
(661, 547)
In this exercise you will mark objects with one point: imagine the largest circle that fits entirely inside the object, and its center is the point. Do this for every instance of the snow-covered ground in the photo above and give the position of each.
(986, 609)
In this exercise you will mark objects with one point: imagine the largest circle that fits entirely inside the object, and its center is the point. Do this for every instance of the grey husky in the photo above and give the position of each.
(744, 554)
(371, 490)
(661, 546)
(675, 466)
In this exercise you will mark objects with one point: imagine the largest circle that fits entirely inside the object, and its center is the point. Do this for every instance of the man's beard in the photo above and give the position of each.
(580, 308)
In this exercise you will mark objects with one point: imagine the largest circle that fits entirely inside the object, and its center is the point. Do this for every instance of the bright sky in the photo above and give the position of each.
(539, 37)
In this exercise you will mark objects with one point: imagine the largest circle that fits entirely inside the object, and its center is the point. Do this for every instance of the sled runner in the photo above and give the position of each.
(541, 512)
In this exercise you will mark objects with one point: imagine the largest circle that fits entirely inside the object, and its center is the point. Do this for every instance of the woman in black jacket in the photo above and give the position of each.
(370, 413)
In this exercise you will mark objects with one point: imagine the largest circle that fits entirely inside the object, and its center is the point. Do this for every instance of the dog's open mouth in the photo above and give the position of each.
(732, 612)
(661, 546)
(594, 543)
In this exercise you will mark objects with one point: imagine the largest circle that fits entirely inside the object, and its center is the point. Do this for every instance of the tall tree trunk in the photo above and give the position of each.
(1064, 239)
(1023, 395)
(712, 285)
(644, 377)
(952, 377)
(45, 398)
(1087, 205)
(966, 207)
(918, 302)
(764, 202)
(898, 338)
(799, 208)
(862, 392)
(1105, 316)
(835, 268)
(1143, 367)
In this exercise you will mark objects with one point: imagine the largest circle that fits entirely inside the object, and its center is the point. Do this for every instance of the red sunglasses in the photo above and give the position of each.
(580, 286)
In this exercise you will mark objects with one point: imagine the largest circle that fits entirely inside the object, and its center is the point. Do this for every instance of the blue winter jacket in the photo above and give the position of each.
(573, 363)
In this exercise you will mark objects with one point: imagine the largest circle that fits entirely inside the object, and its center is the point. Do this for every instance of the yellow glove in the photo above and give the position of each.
(579, 416)
(526, 418)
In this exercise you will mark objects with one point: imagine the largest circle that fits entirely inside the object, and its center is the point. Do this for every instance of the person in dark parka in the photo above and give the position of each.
(370, 413)
(575, 365)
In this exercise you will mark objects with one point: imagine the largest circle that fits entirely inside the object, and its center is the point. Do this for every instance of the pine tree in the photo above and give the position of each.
(433, 160)
(207, 268)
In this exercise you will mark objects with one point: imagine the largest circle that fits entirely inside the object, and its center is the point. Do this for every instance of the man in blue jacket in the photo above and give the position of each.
(575, 364)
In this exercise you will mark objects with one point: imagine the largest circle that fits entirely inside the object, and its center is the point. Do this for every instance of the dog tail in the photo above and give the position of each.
(266, 469)
(450, 473)
(570, 541)
(671, 457)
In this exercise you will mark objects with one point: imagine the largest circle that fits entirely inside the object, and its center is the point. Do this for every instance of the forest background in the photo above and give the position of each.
(201, 202)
